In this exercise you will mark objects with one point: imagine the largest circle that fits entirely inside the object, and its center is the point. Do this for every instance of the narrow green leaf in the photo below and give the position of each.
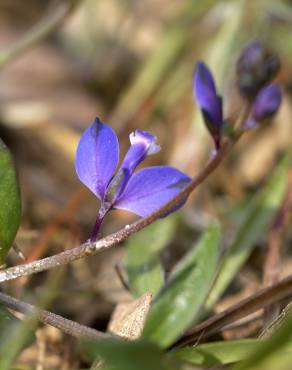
(23, 332)
(143, 263)
(127, 355)
(227, 352)
(180, 300)
(258, 216)
(216, 353)
(280, 341)
(7, 320)
(10, 210)
(253, 352)
(10, 328)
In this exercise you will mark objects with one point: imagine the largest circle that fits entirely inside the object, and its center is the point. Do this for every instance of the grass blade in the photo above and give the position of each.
(180, 300)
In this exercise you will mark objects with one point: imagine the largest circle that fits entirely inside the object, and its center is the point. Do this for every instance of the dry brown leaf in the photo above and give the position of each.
(128, 319)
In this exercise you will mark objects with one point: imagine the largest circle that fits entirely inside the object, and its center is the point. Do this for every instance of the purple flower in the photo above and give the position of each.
(209, 101)
(266, 104)
(142, 192)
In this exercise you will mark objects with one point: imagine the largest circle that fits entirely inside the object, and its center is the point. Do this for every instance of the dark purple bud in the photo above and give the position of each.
(209, 101)
(256, 67)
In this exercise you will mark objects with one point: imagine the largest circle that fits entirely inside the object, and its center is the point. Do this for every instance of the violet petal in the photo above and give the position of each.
(150, 188)
(97, 157)
(142, 144)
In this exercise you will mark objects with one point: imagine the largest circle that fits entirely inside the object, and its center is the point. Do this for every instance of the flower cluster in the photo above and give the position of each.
(144, 191)
(140, 192)
(256, 69)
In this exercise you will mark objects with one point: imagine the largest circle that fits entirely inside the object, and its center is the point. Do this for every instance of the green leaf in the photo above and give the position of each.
(22, 333)
(252, 352)
(259, 213)
(143, 262)
(126, 355)
(7, 320)
(10, 210)
(266, 349)
(181, 299)
(216, 353)
(11, 343)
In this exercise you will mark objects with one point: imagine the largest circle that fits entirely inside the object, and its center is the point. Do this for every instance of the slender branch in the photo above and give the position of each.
(47, 317)
(278, 322)
(121, 277)
(253, 303)
(38, 32)
(92, 248)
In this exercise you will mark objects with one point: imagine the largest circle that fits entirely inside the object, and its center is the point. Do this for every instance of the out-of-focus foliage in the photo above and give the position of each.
(10, 209)
(216, 353)
(14, 336)
(144, 269)
(180, 300)
(124, 355)
(272, 350)
(258, 214)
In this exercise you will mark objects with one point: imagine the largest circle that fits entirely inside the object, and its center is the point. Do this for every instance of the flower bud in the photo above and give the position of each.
(266, 104)
(256, 67)
(209, 101)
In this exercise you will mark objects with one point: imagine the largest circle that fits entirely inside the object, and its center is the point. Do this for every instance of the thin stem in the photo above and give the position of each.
(121, 277)
(47, 317)
(38, 32)
(253, 303)
(101, 214)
